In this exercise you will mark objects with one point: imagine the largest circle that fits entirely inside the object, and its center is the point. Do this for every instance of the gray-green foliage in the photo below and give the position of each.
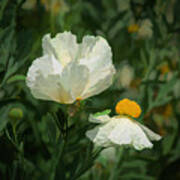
(46, 140)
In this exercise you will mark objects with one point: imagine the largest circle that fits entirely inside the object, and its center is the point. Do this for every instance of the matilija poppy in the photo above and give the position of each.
(69, 71)
(122, 130)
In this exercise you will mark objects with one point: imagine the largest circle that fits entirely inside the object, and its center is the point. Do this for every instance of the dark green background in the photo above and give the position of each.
(40, 140)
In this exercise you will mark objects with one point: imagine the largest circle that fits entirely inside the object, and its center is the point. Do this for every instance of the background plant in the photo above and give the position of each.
(45, 140)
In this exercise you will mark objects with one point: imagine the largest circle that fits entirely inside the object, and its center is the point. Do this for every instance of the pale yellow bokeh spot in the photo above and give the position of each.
(133, 28)
(165, 69)
(168, 111)
(128, 107)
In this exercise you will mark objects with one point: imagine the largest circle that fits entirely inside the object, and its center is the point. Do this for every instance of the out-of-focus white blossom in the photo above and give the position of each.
(145, 29)
(123, 5)
(69, 71)
(125, 75)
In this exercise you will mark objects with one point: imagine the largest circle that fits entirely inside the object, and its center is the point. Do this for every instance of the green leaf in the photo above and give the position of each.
(163, 96)
(58, 152)
(167, 88)
(140, 164)
(2, 7)
(4, 117)
(168, 140)
(130, 175)
(15, 78)
(106, 112)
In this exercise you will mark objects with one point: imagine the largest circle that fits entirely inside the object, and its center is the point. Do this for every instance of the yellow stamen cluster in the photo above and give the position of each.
(79, 98)
(133, 28)
(128, 107)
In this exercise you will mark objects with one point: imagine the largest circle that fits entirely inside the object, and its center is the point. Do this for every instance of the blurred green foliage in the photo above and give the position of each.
(46, 140)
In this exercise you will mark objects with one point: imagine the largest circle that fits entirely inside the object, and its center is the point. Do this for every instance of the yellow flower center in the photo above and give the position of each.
(133, 28)
(128, 107)
(79, 98)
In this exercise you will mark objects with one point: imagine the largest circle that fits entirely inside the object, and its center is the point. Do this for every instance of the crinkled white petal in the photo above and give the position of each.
(50, 88)
(99, 119)
(122, 131)
(151, 135)
(96, 54)
(74, 79)
(45, 65)
(43, 79)
(99, 83)
(128, 132)
(91, 134)
(99, 135)
(49, 81)
(63, 46)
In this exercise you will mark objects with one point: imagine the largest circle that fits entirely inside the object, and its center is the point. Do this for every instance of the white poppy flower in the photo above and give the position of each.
(121, 129)
(69, 71)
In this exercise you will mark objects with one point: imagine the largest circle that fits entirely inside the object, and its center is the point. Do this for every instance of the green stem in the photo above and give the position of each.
(15, 135)
(115, 172)
(52, 22)
(56, 158)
